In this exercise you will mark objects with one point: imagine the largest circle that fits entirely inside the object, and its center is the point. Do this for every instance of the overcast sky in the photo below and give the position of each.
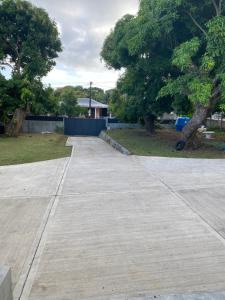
(83, 26)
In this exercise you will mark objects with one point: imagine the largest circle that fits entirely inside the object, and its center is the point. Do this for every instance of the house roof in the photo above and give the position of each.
(84, 102)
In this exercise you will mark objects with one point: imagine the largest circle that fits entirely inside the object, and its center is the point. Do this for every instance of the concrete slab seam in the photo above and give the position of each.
(19, 290)
(175, 193)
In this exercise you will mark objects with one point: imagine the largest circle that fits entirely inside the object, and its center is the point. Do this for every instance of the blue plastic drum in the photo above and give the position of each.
(181, 123)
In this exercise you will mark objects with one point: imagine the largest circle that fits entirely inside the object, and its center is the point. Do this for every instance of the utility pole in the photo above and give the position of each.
(89, 110)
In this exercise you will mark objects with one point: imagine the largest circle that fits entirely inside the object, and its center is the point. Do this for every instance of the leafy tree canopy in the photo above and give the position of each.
(29, 40)
(178, 46)
(67, 98)
(143, 45)
(29, 44)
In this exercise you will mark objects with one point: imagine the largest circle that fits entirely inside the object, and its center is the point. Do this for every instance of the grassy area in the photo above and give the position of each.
(31, 148)
(138, 142)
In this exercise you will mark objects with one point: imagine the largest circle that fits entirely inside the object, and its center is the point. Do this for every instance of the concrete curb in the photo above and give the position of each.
(5, 284)
(105, 137)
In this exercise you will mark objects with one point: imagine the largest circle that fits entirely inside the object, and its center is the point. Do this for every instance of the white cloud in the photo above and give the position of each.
(83, 26)
(67, 76)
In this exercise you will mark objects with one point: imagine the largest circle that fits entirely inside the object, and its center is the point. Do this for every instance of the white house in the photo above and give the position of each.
(98, 109)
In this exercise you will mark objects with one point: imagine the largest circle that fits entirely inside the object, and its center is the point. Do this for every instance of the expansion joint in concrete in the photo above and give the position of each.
(19, 289)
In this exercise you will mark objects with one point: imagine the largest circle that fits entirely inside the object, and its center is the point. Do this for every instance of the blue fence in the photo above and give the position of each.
(84, 127)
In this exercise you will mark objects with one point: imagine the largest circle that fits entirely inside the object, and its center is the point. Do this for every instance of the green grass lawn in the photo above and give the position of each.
(138, 142)
(31, 148)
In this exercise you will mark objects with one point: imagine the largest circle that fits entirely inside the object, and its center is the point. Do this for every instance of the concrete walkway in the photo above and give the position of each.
(27, 193)
(125, 227)
(119, 230)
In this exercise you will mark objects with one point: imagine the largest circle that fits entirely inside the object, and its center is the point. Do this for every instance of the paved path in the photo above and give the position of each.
(125, 227)
(27, 193)
(200, 183)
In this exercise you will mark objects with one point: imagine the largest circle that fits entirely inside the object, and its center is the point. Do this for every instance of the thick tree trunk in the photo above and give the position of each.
(150, 123)
(199, 117)
(189, 132)
(15, 125)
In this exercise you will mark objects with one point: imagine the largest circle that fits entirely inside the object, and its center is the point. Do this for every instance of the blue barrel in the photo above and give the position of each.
(181, 122)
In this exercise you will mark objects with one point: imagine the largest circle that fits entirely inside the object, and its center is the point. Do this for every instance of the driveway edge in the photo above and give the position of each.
(105, 137)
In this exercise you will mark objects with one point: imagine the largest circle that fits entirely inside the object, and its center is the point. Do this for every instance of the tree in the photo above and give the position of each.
(201, 62)
(29, 44)
(179, 42)
(48, 102)
(96, 94)
(123, 106)
(15, 91)
(142, 46)
(67, 98)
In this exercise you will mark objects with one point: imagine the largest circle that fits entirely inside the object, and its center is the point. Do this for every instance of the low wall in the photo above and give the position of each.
(34, 126)
(215, 124)
(5, 284)
(123, 126)
(105, 137)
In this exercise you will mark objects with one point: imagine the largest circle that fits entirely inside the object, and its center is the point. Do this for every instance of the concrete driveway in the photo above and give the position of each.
(125, 227)
(26, 196)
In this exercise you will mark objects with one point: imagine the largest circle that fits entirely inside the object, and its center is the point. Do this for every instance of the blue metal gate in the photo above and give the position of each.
(89, 127)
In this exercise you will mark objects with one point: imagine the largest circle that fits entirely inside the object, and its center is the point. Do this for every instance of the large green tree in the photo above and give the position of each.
(123, 106)
(141, 46)
(201, 62)
(67, 100)
(177, 43)
(29, 44)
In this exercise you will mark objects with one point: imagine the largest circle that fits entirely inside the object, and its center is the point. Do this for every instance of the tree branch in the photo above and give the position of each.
(216, 7)
(3, 39)
(197, 24)
(220, 7)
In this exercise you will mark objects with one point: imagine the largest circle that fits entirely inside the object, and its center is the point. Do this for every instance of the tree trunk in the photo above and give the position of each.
(150, 123)
(15, 125)
(199, 117)
(190, 130)
(221, 122)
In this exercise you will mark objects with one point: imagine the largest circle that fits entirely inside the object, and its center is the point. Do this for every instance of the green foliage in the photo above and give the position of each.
(29, 40)
(68, 102)
(22, 93)
(207, 64)
(123, 107)
(200, 91)
(15, 93)
(222, 108)
(45, 100)
(216, 37)
(171, 49)
(143, 45)
(182, 105)
(80, 92)
(184, 53)
(115, 50)
(201, 59)
(197, 89)
(29, 44)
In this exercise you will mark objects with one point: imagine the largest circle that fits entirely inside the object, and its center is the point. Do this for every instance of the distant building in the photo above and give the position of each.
(98, 109)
